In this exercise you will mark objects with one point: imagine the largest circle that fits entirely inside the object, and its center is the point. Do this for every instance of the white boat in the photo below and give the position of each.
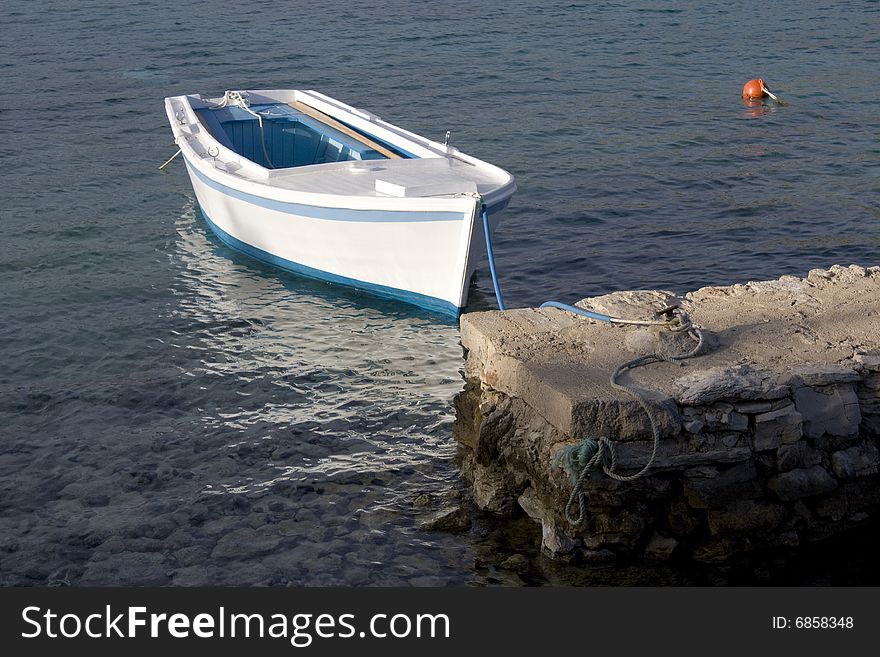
(304, 182)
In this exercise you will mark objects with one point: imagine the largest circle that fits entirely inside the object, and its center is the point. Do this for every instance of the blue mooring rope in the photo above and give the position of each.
(577, 311)
(491, 253)
(548, 304)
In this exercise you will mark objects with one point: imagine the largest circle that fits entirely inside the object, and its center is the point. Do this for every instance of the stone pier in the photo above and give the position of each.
(769, 439)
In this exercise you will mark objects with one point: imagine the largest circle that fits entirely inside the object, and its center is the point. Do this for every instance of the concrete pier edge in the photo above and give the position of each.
(770, 439)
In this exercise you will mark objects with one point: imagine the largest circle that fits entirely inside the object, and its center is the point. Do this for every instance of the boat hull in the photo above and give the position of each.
(327, 204)
(421, 257)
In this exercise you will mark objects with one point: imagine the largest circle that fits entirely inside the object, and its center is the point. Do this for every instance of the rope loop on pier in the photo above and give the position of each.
(582, 459)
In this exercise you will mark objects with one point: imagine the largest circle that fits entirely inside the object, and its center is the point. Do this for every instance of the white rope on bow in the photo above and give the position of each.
(240, 99)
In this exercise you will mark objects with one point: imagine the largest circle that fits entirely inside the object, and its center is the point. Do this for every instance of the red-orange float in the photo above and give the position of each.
(754, 89)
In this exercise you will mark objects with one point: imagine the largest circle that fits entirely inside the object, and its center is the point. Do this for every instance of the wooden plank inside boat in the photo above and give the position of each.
(333, 123)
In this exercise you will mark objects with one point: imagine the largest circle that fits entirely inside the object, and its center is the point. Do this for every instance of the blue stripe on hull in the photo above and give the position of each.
(431, 304)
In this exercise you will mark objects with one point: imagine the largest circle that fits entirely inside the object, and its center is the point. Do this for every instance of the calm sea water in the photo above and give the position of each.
(172, 412)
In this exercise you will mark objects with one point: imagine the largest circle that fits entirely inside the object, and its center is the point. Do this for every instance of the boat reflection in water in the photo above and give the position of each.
(335, 406)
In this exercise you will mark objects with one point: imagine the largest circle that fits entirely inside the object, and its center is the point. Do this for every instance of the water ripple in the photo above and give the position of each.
(174, 412)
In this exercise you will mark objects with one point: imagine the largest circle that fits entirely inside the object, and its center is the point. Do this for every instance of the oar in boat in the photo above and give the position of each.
(333, 123)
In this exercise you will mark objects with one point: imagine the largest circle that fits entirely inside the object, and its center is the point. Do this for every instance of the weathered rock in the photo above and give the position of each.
(830, 409)
(660, 548)
(706, 488)
(828, 443)
(673, 455)
(623, 419)
(680, 519)
(798, 455)
(818, 276)
(788, 538)
(599, 557)
(754, 407)
(856, 494)
(867, 362)
(516, 563)
(821, 375)
(468, 418)
(532, 505)
(869, 405)
(448, 519)
(858, 461)
(620, 528)
(720, 550)
(496, 490)
(604, 493)
(554, 540)
(846, 274)
(694, 426)
(630, 304)
(735, 421)
(745, 516)
(803, 482)
(777, 427)
(727, 383)
(832, 506)
(493, 429)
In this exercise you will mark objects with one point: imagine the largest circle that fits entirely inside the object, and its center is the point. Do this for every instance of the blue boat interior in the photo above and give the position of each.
(288, 138)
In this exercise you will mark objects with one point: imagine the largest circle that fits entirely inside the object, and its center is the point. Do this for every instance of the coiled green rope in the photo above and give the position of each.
(581, 459)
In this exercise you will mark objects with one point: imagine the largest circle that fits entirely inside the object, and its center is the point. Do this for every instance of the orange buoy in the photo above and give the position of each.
(754, 89)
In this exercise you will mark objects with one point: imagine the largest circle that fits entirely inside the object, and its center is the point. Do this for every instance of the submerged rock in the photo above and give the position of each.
(448, 519)
(516, 563)
(423, 500)
(245, 542)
